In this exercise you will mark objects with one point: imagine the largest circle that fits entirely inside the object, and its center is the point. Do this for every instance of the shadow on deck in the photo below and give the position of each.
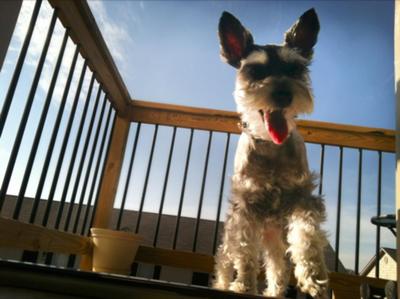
(25, 280)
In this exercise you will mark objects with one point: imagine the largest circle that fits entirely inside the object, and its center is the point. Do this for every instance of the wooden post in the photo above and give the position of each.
(397, 88)
(109, 181)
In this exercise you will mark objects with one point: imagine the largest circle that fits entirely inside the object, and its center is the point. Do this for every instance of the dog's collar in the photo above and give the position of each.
(243, 126)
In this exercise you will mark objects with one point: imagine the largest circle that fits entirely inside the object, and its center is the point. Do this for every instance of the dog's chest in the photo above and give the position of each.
(270, 180)
(268, 165)
(272, 170)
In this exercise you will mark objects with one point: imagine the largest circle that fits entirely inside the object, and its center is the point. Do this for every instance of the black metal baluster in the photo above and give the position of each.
(221, 192)
(82, 158)
(128, 176)
(89, 166)
(72, 258)
(40, 127)
(103, 169)
(321, 169)
(338, 211)
(52, 142)
(63, 149)
(50, 151)
(359, 188)
(39, 130)
(178, 217)
(139, 217)
(378, 213)
(97, 168)
(24, 120)
(203, 184)
(18, 67)
(321, 180)
(157, 272)
(171, 150)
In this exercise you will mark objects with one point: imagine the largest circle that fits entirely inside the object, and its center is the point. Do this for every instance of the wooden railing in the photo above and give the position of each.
(226, 121)
(76, 16)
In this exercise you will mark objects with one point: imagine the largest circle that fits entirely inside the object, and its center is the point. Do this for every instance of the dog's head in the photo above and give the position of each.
(272, 84)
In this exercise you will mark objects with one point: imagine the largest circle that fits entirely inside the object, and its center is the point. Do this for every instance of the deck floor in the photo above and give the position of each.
(25, 280)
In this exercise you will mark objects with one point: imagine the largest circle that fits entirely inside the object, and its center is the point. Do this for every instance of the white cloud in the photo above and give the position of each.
(116, 36)
(36, 46)
(39, 33)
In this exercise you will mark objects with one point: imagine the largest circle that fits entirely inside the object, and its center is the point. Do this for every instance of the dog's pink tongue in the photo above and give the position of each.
(276, 126)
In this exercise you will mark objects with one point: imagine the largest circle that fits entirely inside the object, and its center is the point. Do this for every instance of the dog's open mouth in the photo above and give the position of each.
(276, 125)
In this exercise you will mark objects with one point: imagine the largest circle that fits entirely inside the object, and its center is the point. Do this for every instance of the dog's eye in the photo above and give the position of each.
(256, 71)
(293, 70)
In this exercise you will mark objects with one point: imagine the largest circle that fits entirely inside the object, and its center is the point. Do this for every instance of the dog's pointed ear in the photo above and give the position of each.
(235, 40)
(303, 34)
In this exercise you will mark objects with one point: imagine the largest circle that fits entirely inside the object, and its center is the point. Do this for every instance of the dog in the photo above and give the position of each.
(273, 215)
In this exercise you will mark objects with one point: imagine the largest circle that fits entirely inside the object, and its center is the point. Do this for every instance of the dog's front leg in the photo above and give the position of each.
(306, 243)
(247, 268)
(275, 262)
(245, 255)
(223, 265)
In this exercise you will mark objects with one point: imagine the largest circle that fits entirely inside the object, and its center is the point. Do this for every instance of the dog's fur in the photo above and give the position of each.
(273, 213)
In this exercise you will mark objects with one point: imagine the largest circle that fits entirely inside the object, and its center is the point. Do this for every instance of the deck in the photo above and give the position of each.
(26, 280)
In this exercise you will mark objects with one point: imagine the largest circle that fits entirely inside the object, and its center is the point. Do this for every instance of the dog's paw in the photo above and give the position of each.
(274, 292)
(220, 284)
(240, 287)
(316, 289)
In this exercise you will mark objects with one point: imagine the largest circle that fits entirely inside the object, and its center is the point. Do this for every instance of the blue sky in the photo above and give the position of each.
(168, 52)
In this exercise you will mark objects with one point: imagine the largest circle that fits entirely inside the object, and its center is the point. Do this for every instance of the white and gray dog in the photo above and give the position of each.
(273, 214)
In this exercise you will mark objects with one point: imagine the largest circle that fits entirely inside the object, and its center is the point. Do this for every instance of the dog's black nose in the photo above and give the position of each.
(282, 97)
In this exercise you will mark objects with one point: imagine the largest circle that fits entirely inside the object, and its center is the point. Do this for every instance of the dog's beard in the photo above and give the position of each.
(264, 120)
(275, 127)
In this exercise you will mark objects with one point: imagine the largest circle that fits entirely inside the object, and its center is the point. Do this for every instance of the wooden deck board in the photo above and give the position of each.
(81, 284)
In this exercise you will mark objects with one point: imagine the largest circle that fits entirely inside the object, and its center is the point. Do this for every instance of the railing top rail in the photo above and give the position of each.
(227, 121)
(77, 17)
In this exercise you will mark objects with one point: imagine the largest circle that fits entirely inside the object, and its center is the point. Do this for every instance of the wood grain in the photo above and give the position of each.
(77, 17)
(184, 116)
(109, 182)
(226, 121)
(16, 234)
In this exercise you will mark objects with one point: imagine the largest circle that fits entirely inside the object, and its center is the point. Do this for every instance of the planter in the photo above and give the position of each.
(113, 251)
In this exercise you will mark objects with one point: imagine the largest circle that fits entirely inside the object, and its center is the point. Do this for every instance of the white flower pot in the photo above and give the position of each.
(113, 251)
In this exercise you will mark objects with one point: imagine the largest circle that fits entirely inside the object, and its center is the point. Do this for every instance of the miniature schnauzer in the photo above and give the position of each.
(273, 212)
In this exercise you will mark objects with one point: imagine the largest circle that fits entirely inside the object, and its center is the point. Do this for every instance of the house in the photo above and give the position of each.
(387, 265)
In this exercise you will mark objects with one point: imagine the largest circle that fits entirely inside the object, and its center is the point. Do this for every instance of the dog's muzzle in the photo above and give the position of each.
(281, 98)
